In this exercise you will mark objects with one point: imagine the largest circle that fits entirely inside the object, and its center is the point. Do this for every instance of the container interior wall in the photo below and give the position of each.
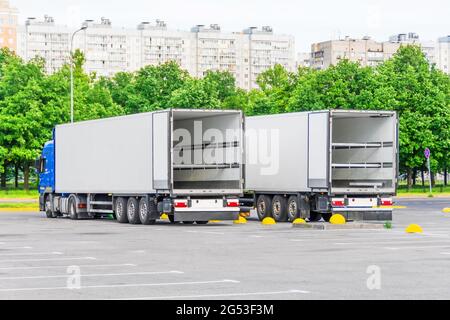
(207, 152)
(363, 153)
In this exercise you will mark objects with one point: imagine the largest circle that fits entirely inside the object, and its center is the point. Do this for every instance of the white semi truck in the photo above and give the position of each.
(184, 163)
(315, 164)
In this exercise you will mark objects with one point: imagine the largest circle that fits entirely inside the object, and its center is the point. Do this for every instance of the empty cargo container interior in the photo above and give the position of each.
(207, 152)
(363, 152)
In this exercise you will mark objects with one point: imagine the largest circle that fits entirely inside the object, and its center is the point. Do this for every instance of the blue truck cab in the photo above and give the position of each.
(45, 166)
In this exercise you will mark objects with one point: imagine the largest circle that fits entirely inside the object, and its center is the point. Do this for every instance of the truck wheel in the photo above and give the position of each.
(121, 210)
(263, 207)
(73, 209)
(188, 222)
(48, 208)
(279, 209)
(133, 211)
(293, 212)
(145, 211)
(327, 216)
(202, 222)
(315, 217)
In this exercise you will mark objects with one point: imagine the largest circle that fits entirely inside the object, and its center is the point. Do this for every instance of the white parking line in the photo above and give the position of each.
(446, 253)
(30, 254)
(391, 242)
(81, 266)
(51, 259)
(219, 295)
(163, 284)
(95, 275)
(415, 247)
(204, 232)
(16, 248)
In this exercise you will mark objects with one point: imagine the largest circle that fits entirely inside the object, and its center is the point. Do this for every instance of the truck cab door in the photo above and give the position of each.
(162, 158)
(318, 150)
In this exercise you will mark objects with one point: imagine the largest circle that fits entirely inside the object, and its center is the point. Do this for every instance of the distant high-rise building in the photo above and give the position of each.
(303, 59)
(8, 25)
(443, 56)
(110, 49)
(428, 47)
(365, 51)
(371, 53)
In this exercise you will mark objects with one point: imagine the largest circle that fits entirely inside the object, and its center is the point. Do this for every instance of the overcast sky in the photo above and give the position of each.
(309, 21)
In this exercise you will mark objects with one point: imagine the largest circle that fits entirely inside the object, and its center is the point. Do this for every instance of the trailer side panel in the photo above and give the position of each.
(104, 156)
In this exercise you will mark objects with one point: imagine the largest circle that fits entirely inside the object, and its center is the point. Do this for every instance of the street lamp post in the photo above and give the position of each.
(84, 27)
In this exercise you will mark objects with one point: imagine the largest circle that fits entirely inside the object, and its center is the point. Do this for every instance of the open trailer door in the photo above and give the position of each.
(318, 150)
(162, 151)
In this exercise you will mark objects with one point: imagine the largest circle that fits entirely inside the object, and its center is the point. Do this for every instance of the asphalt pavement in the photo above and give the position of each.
(47, 259)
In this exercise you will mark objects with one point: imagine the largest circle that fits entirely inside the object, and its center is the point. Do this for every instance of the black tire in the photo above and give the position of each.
(279, 209)
(202, 222)
(73, 208)
(327, 216)
(48, 208)
(120, 209)
(315, 216)
(145, 210)
(293, 211)
(263, 207)
(172, 219)
(188, 222)
(133, 211)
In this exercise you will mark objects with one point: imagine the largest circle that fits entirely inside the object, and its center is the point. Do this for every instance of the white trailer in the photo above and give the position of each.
(315, 164)
(183, 163)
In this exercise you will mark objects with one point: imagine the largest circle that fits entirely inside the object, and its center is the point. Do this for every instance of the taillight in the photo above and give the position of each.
(386, 202)
(82, 206)
(181, 203)
(233, 203)
(338, 202)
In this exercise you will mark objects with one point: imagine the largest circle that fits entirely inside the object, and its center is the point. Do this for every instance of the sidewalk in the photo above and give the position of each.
(19, 200)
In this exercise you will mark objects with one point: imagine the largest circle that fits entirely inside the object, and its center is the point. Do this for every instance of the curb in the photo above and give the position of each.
(19, 210)
(327, 226)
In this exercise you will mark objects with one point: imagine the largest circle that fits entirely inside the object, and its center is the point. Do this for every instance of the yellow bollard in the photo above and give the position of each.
(338, 219)
(241, 220)
(269, 221)
(414, 228)
(299, 221)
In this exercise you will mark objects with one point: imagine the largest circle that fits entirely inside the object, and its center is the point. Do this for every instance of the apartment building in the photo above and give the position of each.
(371, 53)
(365, 51)
(263, 49)
(303, 60)
(42, 38)
(110, 49)
(429, 48)
(8, 25)
(443, 55)
(156, 44)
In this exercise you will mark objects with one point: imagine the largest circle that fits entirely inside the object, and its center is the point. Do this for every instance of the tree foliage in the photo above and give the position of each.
(32, 102)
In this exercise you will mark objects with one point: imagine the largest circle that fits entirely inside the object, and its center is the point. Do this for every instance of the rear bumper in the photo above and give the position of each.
(374, 209)
(358, 214)
(206, 215)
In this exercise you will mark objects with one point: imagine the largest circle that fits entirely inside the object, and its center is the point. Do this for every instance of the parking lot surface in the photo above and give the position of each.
(40, 259)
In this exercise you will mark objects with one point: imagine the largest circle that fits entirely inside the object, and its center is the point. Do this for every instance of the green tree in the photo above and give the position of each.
(196, 94)
(422, 102)
(155, 85)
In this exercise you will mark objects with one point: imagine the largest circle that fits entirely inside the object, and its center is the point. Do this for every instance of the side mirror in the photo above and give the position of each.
(37, 165)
